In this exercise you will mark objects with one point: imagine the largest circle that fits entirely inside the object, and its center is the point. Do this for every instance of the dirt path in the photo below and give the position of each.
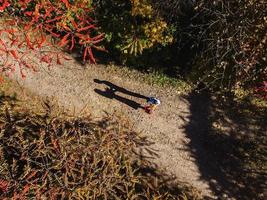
(75, 88)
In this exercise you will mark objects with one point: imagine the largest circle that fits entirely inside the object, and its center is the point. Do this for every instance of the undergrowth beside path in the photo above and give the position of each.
(45, 154)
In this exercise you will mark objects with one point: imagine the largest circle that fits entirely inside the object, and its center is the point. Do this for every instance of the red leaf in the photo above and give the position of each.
(64, 40)
(52, 33)
(86, 28)
(58, 60)
(48, 12)
(4, 6)
(20, 45)
(92, 58)
(100, 36)
(100, 48)
(74, 24)
(42, 41)
(25, 190)
(97, 41)
(66, 58)
(56, 145)
(24, 3)
(9, 30)
(29, 13)
(14, 41)
(3, 50)
(15, 196)
(27, 65)
(28, 26)
(36, 12)
(2, 43)
(14, 54)
(55, 19)
(85, 54)
(81, 36)
(29, 44)
(31, 175)
(66, 2)
(72, 42)
(22, 74)
(66, 28)
(46, 59)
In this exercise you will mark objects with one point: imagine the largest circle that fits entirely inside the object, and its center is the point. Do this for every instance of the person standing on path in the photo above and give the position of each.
(153, 103)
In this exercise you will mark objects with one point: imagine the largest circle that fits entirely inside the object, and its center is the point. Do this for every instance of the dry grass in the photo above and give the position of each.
(46, 155)
(153, 78)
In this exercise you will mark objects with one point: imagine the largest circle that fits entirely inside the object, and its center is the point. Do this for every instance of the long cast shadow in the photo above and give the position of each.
(116, 88)
(222, 155)
(110, 92)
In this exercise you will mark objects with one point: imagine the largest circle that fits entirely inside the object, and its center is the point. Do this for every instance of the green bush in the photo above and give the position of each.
(131, 26)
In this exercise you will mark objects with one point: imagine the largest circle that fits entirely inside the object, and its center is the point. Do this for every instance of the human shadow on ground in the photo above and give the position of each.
(228, 141)
(112, 89)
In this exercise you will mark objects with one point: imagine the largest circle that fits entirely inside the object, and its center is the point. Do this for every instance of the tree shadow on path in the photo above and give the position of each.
(112, 89)
(229, 145)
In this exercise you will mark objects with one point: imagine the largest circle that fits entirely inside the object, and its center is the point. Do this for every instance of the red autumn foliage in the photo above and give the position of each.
(36, 26)
(4, 5)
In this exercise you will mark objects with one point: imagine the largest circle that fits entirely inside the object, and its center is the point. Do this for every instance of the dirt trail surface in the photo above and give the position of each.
(75, 87)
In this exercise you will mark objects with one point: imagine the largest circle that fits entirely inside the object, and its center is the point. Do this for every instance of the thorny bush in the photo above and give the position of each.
(46, 157)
